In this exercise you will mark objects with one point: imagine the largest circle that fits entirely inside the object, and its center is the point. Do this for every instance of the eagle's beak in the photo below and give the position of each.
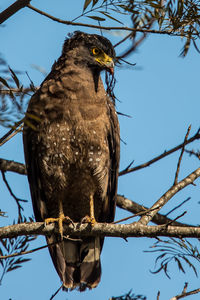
(110, 66)
(106, 61)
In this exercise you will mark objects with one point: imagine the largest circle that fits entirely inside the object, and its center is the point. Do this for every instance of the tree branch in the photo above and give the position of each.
(104, 27)
(181, 156)
(166, 153)
(100, 229)
(186, 294)
(12, 166)
(136, 208)
(168, 195)
(12, 9)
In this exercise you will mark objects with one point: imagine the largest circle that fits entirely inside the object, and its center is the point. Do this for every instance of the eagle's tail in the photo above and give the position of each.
(77, 261)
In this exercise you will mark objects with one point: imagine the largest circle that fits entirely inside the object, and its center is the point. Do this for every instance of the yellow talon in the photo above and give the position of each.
(62, 218)
(90, 219)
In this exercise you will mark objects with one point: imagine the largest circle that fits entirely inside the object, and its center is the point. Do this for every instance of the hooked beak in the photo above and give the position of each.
(107, 62)
(110, 67)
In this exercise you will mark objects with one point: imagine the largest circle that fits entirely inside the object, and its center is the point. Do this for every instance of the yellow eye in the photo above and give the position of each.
(95, 51)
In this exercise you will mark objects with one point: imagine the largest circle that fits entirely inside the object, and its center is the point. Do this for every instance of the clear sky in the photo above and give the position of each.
(162, 95)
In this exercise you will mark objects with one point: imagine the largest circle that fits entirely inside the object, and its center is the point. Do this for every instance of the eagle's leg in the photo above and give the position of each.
(61, 218)
(91, 218)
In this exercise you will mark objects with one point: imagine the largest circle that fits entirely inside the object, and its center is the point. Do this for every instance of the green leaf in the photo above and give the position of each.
(16, 80)
(2, 80)
(94, 2)
(126, 8)
(13, 268)
(96, 18)
(87, 2)
(112, 18)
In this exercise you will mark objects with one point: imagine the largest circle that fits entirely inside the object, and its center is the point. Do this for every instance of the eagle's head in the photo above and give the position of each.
(92, 50)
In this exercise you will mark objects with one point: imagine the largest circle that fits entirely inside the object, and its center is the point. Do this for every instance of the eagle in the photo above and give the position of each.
(72, 144)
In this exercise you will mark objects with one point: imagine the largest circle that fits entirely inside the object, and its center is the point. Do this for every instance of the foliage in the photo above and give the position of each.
(179, 251)
(172, 17)
(129, 296)
(11, 246)
(13, 95)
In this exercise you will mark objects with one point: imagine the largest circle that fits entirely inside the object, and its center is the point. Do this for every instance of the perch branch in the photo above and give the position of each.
(100, 229)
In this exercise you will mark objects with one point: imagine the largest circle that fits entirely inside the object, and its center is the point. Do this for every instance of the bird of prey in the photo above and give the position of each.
(71, 144)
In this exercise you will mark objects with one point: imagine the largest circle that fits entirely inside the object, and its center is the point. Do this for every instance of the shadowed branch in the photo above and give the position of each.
(100, 229)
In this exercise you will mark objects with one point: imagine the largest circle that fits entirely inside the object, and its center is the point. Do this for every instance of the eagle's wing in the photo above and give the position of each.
(113, 139)
(32, 164)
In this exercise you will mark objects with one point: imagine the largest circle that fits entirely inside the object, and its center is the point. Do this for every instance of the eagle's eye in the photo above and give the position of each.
(95, 51)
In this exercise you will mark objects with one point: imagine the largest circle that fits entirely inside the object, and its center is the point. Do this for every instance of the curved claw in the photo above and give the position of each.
(62, 218)
(90, 220)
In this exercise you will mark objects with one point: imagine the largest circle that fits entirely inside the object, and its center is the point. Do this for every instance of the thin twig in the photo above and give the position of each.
(174, 220)
(58, 290)
(7, 135)
(123, 40)
(192, 152)
(16, 91)
(135, 208)
(17, 200)
(141, 213)
(26, 252)
(181, 156)
(158, 295)
(19, 129)
(185, 288)
(178, 206)
(166, 153)
(184, 295)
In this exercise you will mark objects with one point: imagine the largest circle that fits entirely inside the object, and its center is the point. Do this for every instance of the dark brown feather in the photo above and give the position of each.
(72, 152)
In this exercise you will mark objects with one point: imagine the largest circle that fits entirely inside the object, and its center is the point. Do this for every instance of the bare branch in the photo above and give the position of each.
(6, 137)
(58, 290)
(158, 295)
(12, 134)
(25, 252)
(166, 153)
(181, 155)
(169, 194)
(17, 91)
(100, 229)
(178, 206)
(185, 294)
(12, 9)
(192, 152)
(12, 166)
(17, 200)
(135, 208)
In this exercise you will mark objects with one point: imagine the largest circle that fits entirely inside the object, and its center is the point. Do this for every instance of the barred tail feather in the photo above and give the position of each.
(77, 262)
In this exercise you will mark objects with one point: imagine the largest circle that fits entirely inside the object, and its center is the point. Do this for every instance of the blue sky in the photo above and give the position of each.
(162, 95)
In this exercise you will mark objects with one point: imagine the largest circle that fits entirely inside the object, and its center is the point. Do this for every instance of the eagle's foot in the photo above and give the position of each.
(90, 220)
(60, 220)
